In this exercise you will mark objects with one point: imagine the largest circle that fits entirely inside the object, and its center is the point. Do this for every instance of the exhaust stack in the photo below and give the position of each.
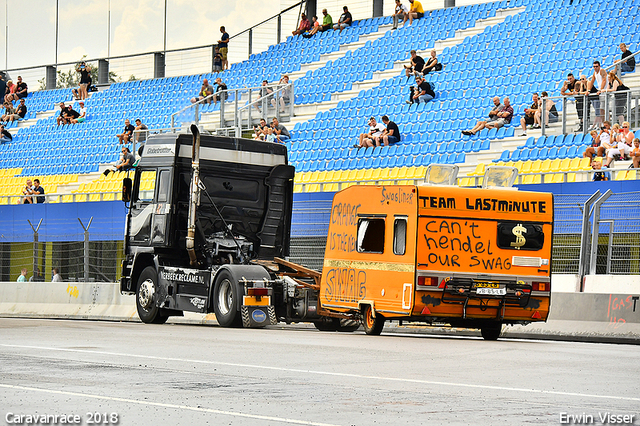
(194, 194)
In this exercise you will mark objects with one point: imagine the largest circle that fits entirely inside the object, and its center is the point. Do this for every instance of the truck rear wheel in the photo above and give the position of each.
(147, 297)
(491, 332)
(225, 300)
(372, 325)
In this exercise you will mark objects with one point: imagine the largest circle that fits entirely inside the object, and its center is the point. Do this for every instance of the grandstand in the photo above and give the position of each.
(506, 48)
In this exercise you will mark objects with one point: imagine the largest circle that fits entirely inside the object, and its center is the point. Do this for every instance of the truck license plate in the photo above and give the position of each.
(491, 291)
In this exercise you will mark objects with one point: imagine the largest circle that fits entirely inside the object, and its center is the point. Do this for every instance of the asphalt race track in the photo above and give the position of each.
(137, 374)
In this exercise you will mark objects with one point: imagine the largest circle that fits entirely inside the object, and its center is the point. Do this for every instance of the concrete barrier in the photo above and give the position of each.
(588, 316)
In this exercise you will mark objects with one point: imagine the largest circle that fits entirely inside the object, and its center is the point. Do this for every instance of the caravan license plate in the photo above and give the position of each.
(490, 289)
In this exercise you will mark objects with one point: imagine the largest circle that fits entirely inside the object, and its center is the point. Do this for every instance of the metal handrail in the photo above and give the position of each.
(620, 61)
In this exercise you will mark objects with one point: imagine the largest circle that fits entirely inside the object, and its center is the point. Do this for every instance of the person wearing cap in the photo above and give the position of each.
(368, 139)
(423, 93)
(82, 115)
(415, 12)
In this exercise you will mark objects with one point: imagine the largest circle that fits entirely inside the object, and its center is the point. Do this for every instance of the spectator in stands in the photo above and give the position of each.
(571, 87)
(375, 131)
(71, 115)
(390, 135)
(124, 163)
(279, 130)
(416, 64)
(55, 275)
(21, 111)
(630, 64)
(620, 99)
(260, 130)
(20, 91)
(399, 13)
(284, 95)
(85, 81)
(125, 136)
(82, 116)
(27, 191)
(551, 113)
(9, 111)
(599, 81)
(38, 189)
(217, 61)
(264, 95)
(499, 116)
(423, 93)
(305, 25)
(602, 142)
(327, 21)
(61, 118)
(529, 113)
(619, 151)
(271, 136)
(635, 153)
(581, 91)
(599, 175)
(345, 20)
(315, 27)
(205, 91)
(223, 47)
(5, 136)
(221, 91)
(415, 12)
(431, 64)
(11, 88)
(141, 131)
(23, 276)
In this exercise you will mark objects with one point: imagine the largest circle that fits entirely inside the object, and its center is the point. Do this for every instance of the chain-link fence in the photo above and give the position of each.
(86, 250)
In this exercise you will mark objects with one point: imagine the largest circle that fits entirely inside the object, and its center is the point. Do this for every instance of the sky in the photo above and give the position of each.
(136, 26)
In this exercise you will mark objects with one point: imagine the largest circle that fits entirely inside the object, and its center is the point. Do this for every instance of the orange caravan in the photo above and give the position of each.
(468, 257)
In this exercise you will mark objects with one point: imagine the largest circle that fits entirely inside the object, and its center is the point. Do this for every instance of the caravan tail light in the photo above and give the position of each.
(427, 280)
(541, 286)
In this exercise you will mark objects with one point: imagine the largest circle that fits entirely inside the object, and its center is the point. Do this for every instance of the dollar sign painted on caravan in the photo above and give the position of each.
(518, 230)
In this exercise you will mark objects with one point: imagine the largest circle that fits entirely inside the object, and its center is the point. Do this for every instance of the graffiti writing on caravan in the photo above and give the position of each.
(397, 195)
(451, 242)
(344, 214)
(345, 285)
(342, 242)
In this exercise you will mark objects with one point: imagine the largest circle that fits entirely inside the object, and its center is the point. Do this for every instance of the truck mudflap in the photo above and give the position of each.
(470, 292)
(258, 316)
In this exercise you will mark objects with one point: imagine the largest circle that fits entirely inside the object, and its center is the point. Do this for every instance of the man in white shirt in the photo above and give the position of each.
(400, 11)
(368, 139)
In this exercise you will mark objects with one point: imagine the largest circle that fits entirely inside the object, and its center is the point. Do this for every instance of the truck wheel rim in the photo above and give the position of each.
(225, 297)
(147, 289)
(368, 317)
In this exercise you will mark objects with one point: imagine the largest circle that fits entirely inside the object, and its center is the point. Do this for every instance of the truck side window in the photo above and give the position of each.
(399, 236)
(163, 186)
(371, 235)
(147, 186)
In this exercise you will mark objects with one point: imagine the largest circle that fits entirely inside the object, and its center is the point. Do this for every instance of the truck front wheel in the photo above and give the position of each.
(146, 297)
(225, 300)
(372, 325)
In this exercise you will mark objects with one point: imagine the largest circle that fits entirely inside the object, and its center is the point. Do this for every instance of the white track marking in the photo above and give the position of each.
(329, 373)
(163, 405)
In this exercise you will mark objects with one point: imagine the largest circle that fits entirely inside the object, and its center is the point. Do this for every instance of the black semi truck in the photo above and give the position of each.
(207, 230)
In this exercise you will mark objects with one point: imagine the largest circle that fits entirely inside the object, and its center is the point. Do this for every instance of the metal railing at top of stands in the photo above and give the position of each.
(614, 107)
(144, 66)
(277, 93)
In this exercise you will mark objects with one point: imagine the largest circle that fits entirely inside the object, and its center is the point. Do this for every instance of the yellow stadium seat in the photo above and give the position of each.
(479, 171)
(330, 187)
(555, 165)
(536, 166)
(526, 167)
(584, 164)
(565, 164)
(297, 188)
(571, 177)
(352, 175)
(420, 172)
(403, 172)
(360, 175)
(545, 166)
(393, 174)
(384, 173)
(375, 174)
(574, 164)
(631, 175)
(368, 175)
(465, 181)
(314, 176)
(557, 178)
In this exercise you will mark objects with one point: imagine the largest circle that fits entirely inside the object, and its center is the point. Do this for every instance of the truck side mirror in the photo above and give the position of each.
(126, 189)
